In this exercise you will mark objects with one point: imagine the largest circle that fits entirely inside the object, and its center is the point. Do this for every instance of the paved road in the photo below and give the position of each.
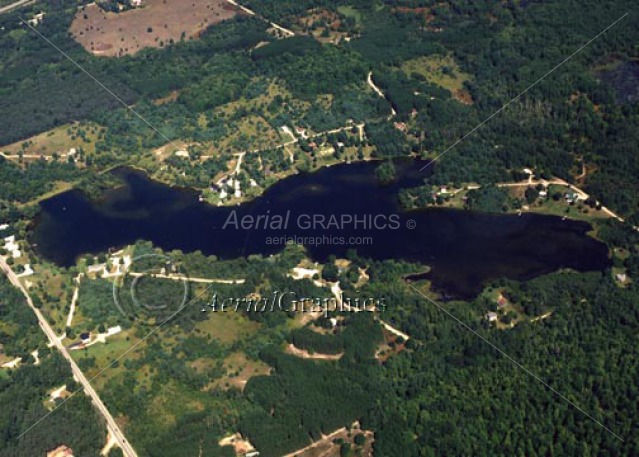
(113, 427)
(18, 4)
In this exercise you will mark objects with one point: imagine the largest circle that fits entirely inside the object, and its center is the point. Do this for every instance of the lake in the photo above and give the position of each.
(465, 250)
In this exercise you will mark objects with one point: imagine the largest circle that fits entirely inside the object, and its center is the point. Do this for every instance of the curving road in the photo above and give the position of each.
(112, 426)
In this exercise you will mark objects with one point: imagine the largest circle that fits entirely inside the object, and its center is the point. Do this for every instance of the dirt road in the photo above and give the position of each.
(18, 4)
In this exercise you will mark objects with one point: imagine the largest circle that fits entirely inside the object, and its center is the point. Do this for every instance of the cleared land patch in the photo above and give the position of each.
(65, 140)
(443, 71)
(155, 24)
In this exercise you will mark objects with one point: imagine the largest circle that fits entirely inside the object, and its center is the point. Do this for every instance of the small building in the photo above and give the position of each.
(401, 126)
(543, 194)
(12, 247)
(113, 330)
(99, 268)
(61, 451)
(527, 171)
(621, 277)
(571, 197)
(36, 19)
(27, 271)
(491, 316)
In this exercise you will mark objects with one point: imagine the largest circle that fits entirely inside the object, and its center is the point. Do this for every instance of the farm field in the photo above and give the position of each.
(155, 24)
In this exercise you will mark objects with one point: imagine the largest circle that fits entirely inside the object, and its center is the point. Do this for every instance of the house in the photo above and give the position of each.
(543, 194)
(36, 19)
(27, 271)
(4, 226)
(571, 197)
(99, 268)
(113, 330)
(12, 247)
(527, 171)
(501, 301)
(491, 317)
(401, 126)
(621, 277)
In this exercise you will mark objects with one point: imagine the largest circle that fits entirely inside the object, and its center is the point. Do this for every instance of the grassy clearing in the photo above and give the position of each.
(227, 327)
(239, 369)
(106, 354)
(442, 71)
(248, 133)
(350, 11)
(58, 140)
(57, 286)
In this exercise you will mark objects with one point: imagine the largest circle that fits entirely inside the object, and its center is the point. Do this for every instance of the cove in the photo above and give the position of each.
(464, 249)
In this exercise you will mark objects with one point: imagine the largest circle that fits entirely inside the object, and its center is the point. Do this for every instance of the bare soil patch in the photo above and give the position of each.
(304, 354)
(154, 24)
(329, 445)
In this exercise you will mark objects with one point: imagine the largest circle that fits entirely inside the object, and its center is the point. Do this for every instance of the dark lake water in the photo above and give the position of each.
(464, 249)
